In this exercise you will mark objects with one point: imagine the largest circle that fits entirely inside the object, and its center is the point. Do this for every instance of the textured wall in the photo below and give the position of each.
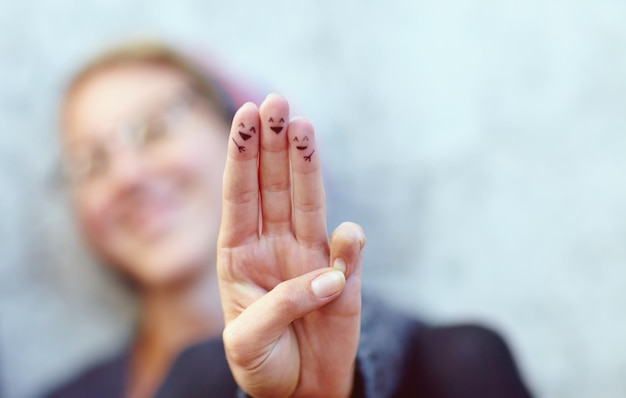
(481, 145)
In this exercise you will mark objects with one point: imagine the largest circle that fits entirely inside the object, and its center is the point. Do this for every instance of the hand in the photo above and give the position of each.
(291, 300)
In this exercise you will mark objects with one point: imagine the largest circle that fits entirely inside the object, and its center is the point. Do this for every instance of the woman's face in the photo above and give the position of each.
(146, 159)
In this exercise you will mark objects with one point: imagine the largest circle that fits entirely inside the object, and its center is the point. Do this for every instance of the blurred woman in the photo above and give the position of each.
(153, 166)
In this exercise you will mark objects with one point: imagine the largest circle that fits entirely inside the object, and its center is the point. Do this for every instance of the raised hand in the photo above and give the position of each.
(291, 299)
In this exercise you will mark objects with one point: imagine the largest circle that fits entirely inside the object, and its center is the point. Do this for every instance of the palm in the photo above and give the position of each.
(281, 338)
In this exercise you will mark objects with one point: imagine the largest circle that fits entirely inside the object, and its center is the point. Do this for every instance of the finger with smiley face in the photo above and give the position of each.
(240, 184)
(274, 173)
(309, 203)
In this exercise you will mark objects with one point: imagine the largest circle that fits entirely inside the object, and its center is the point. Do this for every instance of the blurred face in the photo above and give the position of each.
(145, 159)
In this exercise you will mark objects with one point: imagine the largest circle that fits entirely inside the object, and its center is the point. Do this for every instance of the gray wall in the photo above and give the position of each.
(481, 144)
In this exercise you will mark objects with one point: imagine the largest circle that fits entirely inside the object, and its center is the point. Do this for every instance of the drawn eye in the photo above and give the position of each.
(242, 125)
(271, 120)
(253, 129)
(305, 138)
(281, 120)
(295, 139)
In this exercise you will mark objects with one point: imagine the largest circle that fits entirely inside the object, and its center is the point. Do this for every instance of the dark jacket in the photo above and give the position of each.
(398, 357)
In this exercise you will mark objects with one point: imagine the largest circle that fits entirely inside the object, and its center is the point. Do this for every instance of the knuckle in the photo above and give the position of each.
(277, 186)
(310, 206)
(242, 197)
(285, 301)
(235, 344)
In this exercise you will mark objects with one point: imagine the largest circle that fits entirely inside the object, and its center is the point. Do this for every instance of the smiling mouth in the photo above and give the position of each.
(277, 129)
(244, 136)
(302, 148)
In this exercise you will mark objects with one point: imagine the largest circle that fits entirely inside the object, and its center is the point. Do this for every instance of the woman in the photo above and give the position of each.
(152, 166)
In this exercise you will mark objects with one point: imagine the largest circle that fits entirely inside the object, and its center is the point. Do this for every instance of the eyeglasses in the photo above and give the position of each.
(91, 163)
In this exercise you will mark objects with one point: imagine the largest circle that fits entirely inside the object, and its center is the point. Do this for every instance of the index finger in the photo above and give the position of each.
(240, 187)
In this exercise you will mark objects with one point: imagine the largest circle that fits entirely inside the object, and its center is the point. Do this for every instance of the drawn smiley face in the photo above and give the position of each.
(245, 136)
(277, 128)
(302, 144)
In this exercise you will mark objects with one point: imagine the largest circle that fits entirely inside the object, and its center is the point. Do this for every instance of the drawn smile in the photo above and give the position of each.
(276, 129)
(302, 147)
(244, 136)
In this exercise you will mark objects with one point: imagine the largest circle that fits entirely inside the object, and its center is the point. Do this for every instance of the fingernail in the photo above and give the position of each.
(340, 265)
(328, 283)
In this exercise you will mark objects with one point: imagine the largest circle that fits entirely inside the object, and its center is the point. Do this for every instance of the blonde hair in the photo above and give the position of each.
(150, 52)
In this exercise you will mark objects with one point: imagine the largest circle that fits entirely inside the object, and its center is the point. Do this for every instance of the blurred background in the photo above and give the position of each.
(481, 144)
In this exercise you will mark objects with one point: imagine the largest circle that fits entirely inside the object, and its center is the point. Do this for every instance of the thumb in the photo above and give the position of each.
(248, 337)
